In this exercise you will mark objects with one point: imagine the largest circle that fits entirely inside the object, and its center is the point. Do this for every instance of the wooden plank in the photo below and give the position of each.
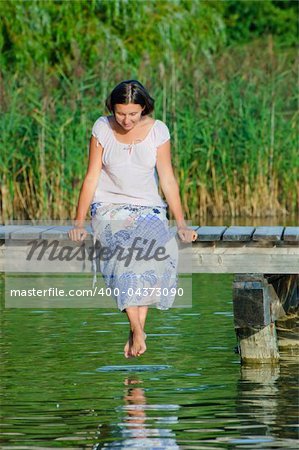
(207, 233)
(6, 230)
(58, 232)
(223, 258)
(29, 232)
(235, 233)
(291, 234)
(61, 232)
(268, 234)
(286, 264)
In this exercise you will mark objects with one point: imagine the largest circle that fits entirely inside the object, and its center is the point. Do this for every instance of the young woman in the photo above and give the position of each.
(121, 188)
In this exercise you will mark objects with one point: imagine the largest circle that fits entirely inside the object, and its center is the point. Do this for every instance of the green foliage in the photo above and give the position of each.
(58, 32)
(232, 122)
(249, 19)
(231, 107)
(49, 32)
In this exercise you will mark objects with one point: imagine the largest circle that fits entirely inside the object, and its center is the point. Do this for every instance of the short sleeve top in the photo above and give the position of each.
(128, 172)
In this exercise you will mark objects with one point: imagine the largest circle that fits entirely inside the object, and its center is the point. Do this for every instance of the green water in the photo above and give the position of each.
(66, 384)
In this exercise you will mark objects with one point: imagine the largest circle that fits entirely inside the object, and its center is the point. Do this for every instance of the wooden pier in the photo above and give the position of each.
(265, 291)
(265, 261)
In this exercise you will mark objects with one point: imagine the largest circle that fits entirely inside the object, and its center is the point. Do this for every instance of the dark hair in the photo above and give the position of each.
(130, 91)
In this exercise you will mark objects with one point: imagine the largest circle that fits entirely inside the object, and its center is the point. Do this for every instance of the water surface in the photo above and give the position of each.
(65, 382)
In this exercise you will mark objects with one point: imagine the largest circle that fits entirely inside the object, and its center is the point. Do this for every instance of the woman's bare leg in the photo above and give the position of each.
(136, 342)
(142, 315)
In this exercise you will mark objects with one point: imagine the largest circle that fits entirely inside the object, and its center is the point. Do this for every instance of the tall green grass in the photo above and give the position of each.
(233, 121)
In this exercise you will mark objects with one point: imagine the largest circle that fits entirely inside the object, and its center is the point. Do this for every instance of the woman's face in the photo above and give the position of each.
(127, 116)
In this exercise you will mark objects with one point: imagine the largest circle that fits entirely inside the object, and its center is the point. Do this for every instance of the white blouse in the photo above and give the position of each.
(128, 172)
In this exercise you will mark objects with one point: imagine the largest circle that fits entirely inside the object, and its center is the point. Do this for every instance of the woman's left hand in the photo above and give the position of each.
(187, 234)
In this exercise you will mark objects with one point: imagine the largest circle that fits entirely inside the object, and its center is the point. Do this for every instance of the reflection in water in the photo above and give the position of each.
(257, 396)
(268, 410)
(134, 430)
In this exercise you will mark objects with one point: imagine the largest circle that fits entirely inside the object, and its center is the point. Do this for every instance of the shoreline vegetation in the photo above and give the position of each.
(231, 109)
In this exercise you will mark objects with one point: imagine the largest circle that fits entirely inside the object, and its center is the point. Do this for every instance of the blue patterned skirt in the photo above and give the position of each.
(137, 253)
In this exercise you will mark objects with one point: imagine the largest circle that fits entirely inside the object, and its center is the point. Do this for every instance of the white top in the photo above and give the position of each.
(128, 172)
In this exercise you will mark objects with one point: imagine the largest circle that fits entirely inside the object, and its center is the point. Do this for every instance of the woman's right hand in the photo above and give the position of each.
(77, 234)
(187, 234)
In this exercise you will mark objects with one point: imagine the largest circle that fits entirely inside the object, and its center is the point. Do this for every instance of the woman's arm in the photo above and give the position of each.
(170, 189)
(87, 190)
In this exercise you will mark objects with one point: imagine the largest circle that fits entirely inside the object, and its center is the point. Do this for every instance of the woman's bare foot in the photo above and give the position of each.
(138, 346)
(136, 342)
(128, 346)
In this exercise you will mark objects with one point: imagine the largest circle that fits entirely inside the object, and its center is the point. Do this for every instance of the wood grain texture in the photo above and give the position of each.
(291, 234)
(235, 233)
(206, 233)
(268, 234)
(6, 230)
(258, 345)
(245, 259)
(29, 232)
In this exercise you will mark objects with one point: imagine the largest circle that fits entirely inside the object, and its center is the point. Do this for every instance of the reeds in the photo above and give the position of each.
(232, 117)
